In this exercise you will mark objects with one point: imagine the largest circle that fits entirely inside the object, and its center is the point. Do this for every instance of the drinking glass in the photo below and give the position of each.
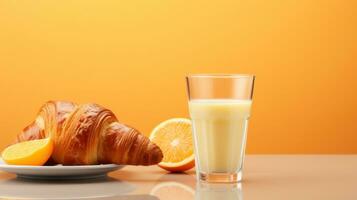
(219, 107)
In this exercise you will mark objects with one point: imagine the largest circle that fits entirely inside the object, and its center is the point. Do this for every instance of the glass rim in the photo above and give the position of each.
(220, 75)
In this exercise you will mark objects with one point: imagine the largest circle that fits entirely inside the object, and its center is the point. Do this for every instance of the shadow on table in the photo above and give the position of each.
(101, 188)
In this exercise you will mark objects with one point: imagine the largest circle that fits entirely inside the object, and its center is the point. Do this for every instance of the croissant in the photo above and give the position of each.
(89, 134)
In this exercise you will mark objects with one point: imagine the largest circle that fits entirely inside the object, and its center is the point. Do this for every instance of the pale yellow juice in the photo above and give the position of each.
(220, 127)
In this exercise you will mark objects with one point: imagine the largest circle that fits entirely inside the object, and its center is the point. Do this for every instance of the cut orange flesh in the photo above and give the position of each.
(34, 152)
(174, 137)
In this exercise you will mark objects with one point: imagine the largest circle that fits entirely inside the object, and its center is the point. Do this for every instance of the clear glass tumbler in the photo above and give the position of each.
(219, 107)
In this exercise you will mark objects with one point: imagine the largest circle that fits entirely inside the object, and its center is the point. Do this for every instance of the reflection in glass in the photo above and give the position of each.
(210, 191)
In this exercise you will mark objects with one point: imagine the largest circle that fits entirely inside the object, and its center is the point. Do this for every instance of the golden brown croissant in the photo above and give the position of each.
(90, 134)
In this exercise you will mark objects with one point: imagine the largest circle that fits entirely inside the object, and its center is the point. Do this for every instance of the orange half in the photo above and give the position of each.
(174, 137)
(34, 152)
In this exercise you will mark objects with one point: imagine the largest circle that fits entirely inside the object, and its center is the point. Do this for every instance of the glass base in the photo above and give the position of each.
(220, 177)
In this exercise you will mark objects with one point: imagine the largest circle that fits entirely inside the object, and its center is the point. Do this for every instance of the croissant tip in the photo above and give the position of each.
(153, 155)
(157, 155)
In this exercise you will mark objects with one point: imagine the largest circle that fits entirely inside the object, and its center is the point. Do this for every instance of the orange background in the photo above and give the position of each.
(132, 56)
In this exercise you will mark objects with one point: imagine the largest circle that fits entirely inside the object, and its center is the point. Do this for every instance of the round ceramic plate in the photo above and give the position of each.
(59, 171)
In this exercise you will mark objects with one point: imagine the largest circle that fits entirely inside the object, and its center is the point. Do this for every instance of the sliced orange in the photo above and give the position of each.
(34, 152)
(174, 137)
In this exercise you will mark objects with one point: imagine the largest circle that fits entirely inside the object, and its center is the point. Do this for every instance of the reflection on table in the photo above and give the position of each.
(102, 188)
(210, 191)
(266, 177)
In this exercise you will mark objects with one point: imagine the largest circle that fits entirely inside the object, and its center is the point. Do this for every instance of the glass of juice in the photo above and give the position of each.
(219, 106)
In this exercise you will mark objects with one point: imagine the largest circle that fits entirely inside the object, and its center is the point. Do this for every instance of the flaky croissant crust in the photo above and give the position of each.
(90, 134)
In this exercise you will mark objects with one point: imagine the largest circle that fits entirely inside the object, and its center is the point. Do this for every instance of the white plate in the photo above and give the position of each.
(59, 171)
